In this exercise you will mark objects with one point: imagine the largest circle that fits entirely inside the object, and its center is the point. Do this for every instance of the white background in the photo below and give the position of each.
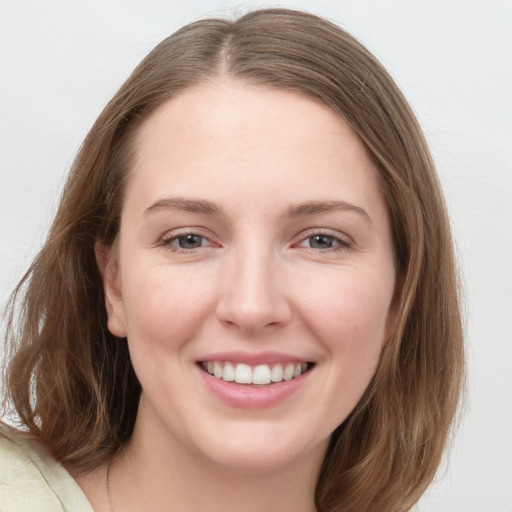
(60, 62)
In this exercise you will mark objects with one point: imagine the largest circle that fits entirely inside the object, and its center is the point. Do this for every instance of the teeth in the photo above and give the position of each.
(229, 372)
(260, 375)
(217, 370)
(288, 372)
(277, 373)
(243, 374)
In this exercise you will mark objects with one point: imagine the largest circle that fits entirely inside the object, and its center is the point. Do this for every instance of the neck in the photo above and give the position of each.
(151, 475)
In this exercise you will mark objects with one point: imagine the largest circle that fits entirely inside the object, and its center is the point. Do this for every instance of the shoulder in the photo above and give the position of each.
(32, 480)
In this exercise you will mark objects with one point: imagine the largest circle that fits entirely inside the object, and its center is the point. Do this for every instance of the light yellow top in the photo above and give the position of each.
(32, 481)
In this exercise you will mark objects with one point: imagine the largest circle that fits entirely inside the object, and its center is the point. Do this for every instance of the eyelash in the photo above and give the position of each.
(167, 242)
(339, 243)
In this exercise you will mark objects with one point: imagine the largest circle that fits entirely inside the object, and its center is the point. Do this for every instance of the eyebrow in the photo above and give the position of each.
(316, 207)
(299, 210)
(187, 205)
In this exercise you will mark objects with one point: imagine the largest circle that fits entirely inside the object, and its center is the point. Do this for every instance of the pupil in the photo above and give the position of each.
(321, 242)
(190, 241)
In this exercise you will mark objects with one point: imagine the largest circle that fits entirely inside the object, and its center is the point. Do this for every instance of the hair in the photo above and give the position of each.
(71, 381)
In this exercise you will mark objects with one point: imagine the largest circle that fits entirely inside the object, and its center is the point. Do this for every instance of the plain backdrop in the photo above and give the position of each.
(61, 61)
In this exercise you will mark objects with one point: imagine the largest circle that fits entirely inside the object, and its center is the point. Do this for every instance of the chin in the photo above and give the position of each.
(262, 454)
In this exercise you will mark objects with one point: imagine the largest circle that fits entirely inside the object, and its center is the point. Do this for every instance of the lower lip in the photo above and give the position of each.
(252, 397)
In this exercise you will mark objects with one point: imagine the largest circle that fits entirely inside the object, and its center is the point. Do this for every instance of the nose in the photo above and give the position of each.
(253, 292)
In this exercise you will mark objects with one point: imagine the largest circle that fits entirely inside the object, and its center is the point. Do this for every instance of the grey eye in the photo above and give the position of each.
(321, 242)
(189, 241)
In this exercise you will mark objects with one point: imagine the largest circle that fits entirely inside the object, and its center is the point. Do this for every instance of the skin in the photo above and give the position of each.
(256, 281)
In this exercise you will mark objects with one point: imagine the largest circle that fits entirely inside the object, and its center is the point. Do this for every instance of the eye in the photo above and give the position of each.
(321, 241)
(186, 241)
(189, 241)
(324, 242)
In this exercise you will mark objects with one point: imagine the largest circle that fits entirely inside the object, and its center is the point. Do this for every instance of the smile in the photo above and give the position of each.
(262, 374)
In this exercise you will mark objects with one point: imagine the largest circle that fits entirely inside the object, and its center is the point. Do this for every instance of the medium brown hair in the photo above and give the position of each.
(71, 381)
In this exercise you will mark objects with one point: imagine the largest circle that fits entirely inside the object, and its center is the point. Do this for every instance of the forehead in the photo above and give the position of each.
(228, 137)
(235, 110)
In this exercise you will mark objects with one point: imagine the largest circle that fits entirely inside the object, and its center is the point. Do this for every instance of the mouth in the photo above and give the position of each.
(259, 375)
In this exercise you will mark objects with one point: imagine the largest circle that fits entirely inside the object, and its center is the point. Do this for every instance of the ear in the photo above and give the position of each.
(106, 259)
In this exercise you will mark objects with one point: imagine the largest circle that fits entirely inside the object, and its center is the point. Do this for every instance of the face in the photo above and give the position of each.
(253, 275)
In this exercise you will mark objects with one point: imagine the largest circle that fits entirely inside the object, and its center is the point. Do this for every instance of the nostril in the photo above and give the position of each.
(253, 317)
(251, 292)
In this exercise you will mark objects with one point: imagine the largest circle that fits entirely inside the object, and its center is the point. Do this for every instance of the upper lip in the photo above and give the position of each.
(254, 359)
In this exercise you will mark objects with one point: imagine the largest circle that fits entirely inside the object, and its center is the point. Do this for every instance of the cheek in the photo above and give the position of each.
(349, 318)
(355, 307)
(163, 307)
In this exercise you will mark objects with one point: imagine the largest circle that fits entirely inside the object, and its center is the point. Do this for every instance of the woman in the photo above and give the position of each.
(248, 295)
